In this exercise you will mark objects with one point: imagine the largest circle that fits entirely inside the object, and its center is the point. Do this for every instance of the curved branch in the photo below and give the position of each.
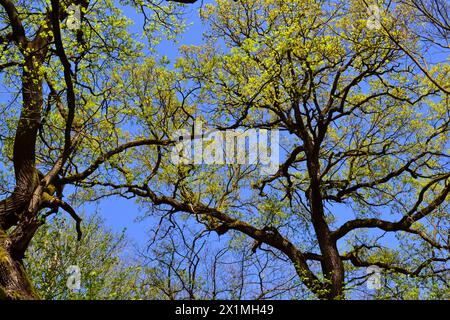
(269, 236)
(16, 24)
(102, 159)
(404, 224)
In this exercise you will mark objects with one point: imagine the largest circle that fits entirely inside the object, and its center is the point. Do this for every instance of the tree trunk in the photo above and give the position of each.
(15, 211)
(332, 266)
(14, 283)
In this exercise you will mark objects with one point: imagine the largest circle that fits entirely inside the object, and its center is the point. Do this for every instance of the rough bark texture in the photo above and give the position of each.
(14, 210)
(14, 283)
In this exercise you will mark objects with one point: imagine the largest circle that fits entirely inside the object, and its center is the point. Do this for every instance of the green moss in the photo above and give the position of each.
(33, 293)
(6, 263)
(3, 294)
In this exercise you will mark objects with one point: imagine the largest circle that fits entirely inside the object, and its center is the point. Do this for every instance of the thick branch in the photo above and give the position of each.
(102, 159)
(269, 236)
(16, 24)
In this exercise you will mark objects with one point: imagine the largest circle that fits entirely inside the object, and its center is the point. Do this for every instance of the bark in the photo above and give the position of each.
(14, 210)
(14, 283)
(331, 263)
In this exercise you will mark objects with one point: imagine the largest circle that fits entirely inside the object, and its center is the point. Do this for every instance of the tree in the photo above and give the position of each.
(432, 27)
(62, 74)
(365, 139)
(184, 261)
(100, 256)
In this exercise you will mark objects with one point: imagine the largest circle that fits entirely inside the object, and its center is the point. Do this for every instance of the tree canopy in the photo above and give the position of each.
(359, 97)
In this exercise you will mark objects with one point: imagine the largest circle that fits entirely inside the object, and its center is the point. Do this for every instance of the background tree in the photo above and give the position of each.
(431, 19)
(184, 261)
(104, 259)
